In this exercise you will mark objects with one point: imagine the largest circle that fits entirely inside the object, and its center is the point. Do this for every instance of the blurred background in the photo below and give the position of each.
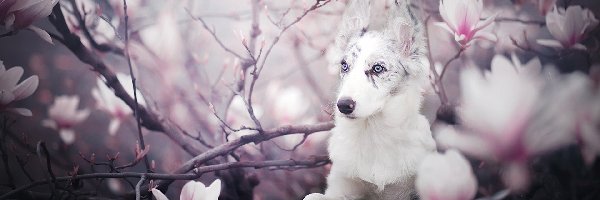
(194, 74)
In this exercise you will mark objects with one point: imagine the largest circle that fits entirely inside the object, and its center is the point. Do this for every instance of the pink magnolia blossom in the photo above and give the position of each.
(568, 27)
(446, 176)
(107, 101)
(20, 14)
(511, 114)
(63, 116)
(10, 91)
(462, 18)
(194, 190)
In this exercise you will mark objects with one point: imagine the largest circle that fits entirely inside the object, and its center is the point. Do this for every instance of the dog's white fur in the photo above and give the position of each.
(376, 149)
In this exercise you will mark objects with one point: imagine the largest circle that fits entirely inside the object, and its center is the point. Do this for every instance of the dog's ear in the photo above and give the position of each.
(407, 30)
(355, 22)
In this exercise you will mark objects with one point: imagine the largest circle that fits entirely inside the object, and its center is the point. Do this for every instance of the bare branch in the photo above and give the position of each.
(315, 161)
(133, 83)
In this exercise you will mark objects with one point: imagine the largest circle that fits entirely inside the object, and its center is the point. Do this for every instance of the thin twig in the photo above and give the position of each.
(138, 185)
(314, 161)
(133, 82)
(41, 149)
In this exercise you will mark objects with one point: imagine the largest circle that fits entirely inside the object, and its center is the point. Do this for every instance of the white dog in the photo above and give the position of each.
(380, 137)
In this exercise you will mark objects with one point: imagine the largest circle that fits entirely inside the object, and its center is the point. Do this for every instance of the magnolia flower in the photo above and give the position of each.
(446, 176)
(462, 18)
(11, 92)
(290, 104)
(511, 114)
(107, 101)
(194, 191)
(64, 115)
(20, 14)
(568, 27)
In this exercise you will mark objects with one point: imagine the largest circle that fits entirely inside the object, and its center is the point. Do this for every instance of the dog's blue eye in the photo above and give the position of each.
(345, 67)
(377, 68)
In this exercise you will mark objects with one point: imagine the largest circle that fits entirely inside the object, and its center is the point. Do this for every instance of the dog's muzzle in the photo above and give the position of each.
(346, 105)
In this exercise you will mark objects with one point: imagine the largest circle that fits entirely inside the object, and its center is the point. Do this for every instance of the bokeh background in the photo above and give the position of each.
(183, 73)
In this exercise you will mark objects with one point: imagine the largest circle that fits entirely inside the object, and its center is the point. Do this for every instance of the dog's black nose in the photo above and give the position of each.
(346, 105)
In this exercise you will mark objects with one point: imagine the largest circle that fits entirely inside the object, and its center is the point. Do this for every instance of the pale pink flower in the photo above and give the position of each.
(194, 191)
(568, 27)
(462, 18)
(20, 14)
(446, 176)
(63, 116)
(10, 91)
(107, 101)
(513, 113)
(588, 129)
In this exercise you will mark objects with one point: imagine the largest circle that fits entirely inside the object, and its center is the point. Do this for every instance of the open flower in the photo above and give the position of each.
(107, 101)
(64, 115)
(462, 18)
(511, 114)
(11, 92)
(568, 27)
(446, 176)
(20, 14)
(194, 191)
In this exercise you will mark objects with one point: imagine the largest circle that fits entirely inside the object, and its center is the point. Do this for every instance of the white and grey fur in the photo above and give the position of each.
(376, 148)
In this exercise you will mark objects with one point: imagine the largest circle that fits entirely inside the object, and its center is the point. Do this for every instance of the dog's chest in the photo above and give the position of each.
(380, 157)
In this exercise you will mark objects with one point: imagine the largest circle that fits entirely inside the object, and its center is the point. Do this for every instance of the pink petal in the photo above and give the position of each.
(26, 88)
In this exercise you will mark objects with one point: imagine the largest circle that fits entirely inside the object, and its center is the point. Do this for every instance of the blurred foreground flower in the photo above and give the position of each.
(462, 18)
(20, 14)
(446, 176)
(194, 191)
(11, 92)
(513, 113)
(107, 101)
(64, 115)
(568, 27)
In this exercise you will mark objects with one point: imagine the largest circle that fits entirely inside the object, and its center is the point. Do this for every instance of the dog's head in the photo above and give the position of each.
(377, 59)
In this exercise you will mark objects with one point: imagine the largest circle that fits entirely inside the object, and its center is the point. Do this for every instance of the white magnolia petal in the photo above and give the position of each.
(213, 190)
(192, 190)
(26, 88)
(21, 111)
(10, 78)
(550, 43)
(158, 195)
(486, 36)
(6, 97)
(579, 46)
(114, 126)
(444, 26)
(42, 33)
(67, 135)
(446, 175)
(50, 124)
